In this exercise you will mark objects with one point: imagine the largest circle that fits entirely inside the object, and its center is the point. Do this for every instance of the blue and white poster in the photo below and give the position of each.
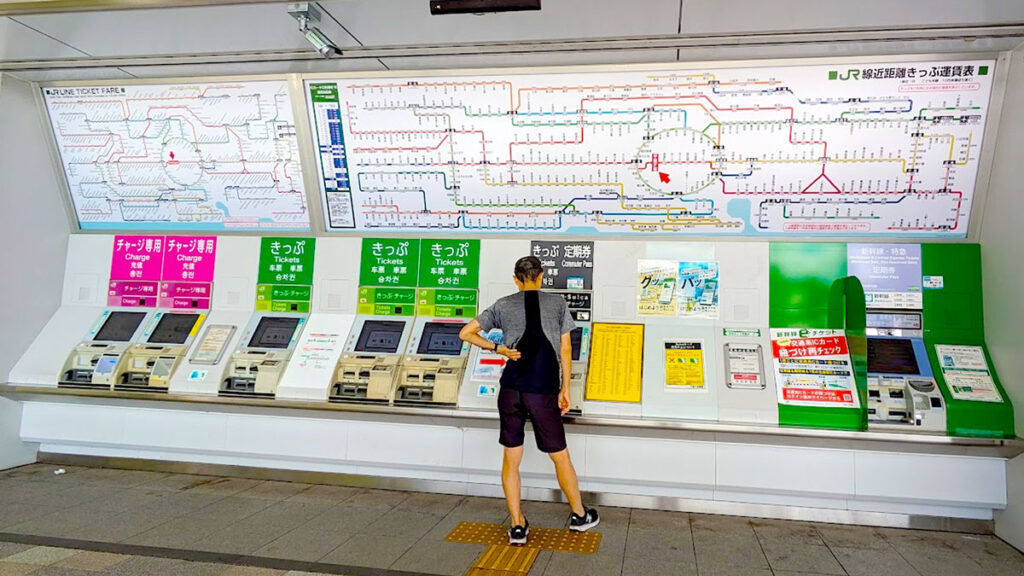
(697, 289)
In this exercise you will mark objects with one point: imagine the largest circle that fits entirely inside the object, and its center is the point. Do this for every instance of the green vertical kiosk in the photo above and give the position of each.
(954, 336)
(811, 296)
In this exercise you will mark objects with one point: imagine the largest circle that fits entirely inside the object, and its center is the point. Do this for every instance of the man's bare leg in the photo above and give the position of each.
(567, 480)
(512, 483)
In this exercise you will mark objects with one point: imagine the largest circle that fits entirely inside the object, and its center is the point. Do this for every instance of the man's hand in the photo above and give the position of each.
(510, 353)
(563, 399)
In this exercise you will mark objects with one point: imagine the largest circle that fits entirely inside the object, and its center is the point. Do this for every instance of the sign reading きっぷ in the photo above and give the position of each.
(285, 279)
(813, 368)
(135, 268)
(449, 278)
(388, 271)
(567, 265)
(187, 277)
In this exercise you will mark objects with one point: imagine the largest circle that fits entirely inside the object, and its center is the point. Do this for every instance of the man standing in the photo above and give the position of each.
(534, 385)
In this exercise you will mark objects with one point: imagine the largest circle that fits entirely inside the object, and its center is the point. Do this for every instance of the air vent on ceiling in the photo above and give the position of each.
(481, 6)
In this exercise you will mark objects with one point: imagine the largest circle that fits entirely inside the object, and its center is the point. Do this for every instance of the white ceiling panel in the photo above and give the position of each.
(98, 74)
(245, 68)
(18, 42)
(182, 30)
(377, 22)
(526, 60)
(722, 17)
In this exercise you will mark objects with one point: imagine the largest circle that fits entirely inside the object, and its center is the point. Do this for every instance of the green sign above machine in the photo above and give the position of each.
(285, 278)
(445, 273)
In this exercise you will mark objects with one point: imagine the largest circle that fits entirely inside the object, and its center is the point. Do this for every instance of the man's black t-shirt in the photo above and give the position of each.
(537, 370)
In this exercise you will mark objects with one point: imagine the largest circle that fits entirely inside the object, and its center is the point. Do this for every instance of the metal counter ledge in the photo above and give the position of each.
(889, 441)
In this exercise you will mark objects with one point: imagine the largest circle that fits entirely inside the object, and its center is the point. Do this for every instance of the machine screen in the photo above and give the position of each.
(380, 336)
(891, 356)
(173, 329)
(894, 320)
(120, 326)
(441, 338)
(274, 332)
(576, 338)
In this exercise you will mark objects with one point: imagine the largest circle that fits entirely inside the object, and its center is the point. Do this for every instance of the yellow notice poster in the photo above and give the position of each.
(616, 362)
(684, 365)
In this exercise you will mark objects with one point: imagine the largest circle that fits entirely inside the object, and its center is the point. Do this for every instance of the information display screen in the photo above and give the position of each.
(891, 356)
(904, 321)
(381, 336)
(274, 332)
(441, 338)
(120, 326)
(576, 338)
(173, 329)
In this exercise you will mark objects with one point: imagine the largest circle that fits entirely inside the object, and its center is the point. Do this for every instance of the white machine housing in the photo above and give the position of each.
(902, 393)
(149, 364)
(97, 359)
(370, 364)
(266, 345)
(434, 363)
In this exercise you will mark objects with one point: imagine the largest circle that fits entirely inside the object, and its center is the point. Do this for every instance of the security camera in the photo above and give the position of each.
(307, 16)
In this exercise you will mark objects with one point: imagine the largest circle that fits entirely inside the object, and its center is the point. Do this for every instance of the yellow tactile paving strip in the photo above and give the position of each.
(540, 538)
(506, 558)
(486, 572)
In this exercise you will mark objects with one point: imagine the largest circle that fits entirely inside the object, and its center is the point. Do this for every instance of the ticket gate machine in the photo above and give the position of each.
(435, 360)
(371, 360)
(902, 393)
(580, 338)
(264, 349)
(95, 361)
(148, 365)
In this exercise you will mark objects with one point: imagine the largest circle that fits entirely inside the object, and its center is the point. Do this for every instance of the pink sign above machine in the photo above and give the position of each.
(187, 279)
(165, 272)
(135, 269)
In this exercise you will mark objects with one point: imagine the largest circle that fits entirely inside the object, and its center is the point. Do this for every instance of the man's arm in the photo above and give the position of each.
(471, 333)
(566, 359)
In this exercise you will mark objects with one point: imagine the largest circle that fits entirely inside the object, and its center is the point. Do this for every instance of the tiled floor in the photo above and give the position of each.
(126, 523)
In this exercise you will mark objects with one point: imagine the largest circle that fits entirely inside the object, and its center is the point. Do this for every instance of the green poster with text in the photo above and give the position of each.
(450, 264)
(389, 262)
(285, 276)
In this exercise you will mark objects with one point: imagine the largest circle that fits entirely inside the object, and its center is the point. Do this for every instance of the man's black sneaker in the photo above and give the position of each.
(583, 523)
(517, 534)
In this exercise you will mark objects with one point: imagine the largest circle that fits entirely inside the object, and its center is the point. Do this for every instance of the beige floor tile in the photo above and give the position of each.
(14, 569)
(251, 571)
(92, 561)
(41, 556)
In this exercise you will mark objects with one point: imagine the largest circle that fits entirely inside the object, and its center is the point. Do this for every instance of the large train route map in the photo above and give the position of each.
(844, 150)
(198, 156)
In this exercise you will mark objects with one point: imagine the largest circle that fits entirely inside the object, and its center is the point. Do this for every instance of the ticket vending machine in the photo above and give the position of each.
(434, 362)
(149, 364)
(580, 338)
(902, 393)
(95, 361)
(370, 363)
(264, 349)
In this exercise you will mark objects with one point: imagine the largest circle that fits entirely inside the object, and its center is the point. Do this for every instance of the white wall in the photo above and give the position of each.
(1002, 245)
(34, 235)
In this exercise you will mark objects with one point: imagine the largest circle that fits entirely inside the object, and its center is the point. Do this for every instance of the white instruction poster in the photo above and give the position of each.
(966, 373)
(813, 368)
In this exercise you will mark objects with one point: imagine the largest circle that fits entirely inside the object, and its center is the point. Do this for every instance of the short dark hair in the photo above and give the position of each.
(528, 268)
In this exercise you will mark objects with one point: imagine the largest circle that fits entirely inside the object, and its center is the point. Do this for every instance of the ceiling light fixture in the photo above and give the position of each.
(308, 16)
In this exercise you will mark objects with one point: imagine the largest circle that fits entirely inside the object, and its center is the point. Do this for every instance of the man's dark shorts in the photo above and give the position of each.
(515, 407)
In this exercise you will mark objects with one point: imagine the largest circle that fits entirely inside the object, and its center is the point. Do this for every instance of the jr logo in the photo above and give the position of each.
(851, 74)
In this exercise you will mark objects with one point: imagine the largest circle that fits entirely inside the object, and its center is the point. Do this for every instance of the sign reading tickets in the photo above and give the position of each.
(135, 268)
(187, 277)
(965, 370)
(616, 363)
(388, 271)
(449, 278)
(567, 265)
(285, 279)
(684, 365)
(813, 368)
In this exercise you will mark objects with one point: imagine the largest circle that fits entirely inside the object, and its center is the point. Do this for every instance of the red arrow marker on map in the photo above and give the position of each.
(663, 176)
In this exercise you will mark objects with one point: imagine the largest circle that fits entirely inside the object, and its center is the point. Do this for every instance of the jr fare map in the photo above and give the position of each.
(202, 156)
(844, 150)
